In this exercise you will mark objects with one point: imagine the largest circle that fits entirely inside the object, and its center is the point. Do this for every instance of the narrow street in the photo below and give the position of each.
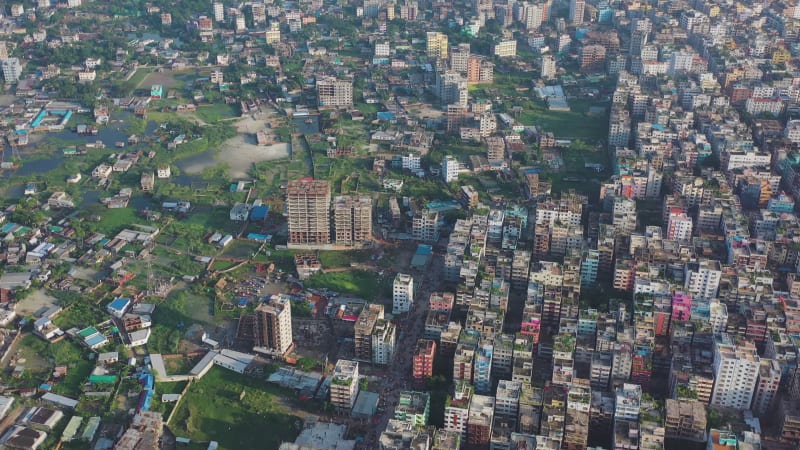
(412, 327)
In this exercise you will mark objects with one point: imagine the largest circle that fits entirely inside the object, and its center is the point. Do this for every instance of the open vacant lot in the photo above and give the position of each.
(237, 411)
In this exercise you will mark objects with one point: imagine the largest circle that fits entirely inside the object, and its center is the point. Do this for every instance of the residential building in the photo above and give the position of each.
(685, 419)
(450, 169)
(334, 93)
(425, 226)
(480, 421)
(769, 380)
(423, 361)
(437, 46)
(402, 293)
(702, 278)
(363, 331)
(505, 49)
(12, 70)
(576, 11)
(413, 407)
(384, 336)
(548, 67)
(274, 324)
(344, 384)
(736, 370)
(457, 407)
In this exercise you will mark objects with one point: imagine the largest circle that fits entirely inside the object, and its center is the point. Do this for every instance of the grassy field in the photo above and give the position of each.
(235, 410)
(66, 353)
(576, 124)
(360, 283)
(114, 220)
(216, 112)
(79, 315)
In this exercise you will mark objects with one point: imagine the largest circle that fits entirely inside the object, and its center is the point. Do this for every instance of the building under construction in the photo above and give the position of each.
(352, 219)
(362, 331)
(308, 208)
(269, 330)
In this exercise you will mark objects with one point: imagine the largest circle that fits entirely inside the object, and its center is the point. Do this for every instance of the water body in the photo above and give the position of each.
(307, 124)
(195, 164)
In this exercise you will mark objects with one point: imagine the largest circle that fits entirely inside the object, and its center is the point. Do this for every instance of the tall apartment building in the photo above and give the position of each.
(425, 226)
(334, 92)
(463, 360)
(576, 11)
(219, 11)
(769, 380)
(274, 324)
(548, 66)
(482, 370)
(459, 56)
(384, 336)
(12, 70)
(450, 168)
(736, 369)
(344, 384)
(576, 425)
(507, 399)
(362, 331)
(480, 421)
(686, 419)
(505, 49)
(436, 45)
(423, 360)
(402, 293)
(308, 209)
(479, 70)
(679, 225)
(352, 219)
(702, 278)
(413, 407)
(457, 407)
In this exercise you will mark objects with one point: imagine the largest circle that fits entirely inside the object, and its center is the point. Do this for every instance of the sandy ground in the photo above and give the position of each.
(35, 301)
(165, 79)
(85, 273)
(241, 152)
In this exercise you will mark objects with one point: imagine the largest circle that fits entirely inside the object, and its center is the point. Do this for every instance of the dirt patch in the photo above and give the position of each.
(165, 79)
(37, 300)
(242, 151)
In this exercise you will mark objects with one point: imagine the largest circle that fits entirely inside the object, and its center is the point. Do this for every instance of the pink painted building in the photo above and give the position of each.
(681, 306)
(441, 301)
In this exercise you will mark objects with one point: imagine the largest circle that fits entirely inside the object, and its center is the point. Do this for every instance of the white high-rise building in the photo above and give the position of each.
(679, 225)
(628, 402)
(702, 278)
(12, 70)
(402, 293)
(450, 169)
(507, 399)
(274, 322)
(219, 12)
(344, 384)
(769, 381)
(735, 373)
(456, 411)
(383, 339)
(718, 316)
(576, 8)
(548, 67)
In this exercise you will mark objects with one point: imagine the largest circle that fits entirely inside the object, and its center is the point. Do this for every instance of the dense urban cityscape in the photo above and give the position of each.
(400, 224)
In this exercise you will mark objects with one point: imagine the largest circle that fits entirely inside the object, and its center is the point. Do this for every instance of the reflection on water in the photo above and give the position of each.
(193, 165)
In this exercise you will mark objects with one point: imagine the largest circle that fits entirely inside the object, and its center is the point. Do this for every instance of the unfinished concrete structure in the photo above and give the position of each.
(352, 217)
(308, 208)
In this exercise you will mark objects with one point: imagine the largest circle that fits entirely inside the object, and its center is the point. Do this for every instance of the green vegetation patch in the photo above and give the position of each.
(235, 410)
(360, 283)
